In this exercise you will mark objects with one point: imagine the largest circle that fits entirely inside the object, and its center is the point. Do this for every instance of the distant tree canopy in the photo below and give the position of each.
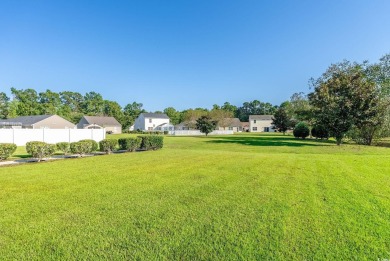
(348, 100)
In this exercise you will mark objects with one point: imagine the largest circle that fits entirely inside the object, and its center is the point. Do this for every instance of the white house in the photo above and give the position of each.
(261, 123)
(152, 122)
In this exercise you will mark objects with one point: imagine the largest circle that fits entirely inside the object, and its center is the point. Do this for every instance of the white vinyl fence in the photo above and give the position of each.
(21, 136)
(197, 132)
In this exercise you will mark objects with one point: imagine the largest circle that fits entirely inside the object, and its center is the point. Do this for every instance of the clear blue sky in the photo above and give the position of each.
(184, 53)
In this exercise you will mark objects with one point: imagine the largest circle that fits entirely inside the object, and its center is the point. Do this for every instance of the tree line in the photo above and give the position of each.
(73, 105)
(349, 100)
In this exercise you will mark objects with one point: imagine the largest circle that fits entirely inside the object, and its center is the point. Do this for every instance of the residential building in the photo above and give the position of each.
(233, 124)
(261, 123)
(153, 122)
(99, 122)
(37, 122)
(186, 125)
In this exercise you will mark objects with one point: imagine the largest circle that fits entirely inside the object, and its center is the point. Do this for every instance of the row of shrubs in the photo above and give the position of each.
(301, 130)
(146, 132)
(40, 150)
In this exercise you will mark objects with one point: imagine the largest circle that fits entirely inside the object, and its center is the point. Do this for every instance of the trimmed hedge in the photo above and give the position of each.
(81, 147)
(108, 145)
(301, 130)
(130, 144)
(152, 142)
(40, 150)
(64, 147)
(6, 150)
(95, 145)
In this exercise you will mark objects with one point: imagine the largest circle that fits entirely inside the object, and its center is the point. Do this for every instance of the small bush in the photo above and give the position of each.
(6, 150)
(166, 132)
(301, 130)
(320, 132)
(40, 150)
(81, 147)
(152, 142)
(108, 145)
(130, 144)
(95, 145)
(64, 147)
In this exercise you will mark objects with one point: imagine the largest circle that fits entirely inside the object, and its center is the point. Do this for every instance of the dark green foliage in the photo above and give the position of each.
(81, 147)
(4, 105)
(40, 150)
(64, 147)
(205, 124)
(320, 132)
(6, 150)
(281, 120)
(108, 145)
(130, 144)
(301, 130)
(94, 144)
(343, 97)
(152, 142)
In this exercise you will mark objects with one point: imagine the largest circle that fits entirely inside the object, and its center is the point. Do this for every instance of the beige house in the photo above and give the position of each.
(233, 124)
(261, 123)
(99, 122)
(37, 122)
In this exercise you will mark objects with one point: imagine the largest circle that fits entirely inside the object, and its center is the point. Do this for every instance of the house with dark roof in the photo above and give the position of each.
(37, 122)
(233, 124)
(99, 122)
(153, 122)
(261, 123)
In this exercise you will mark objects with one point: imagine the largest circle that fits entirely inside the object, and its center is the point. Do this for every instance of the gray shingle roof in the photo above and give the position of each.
(230, 122)
(102, 120)
(155, 115)
(261, 117)
(28, 120)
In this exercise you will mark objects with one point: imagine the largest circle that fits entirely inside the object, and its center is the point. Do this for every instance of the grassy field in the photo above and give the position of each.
(201, 198)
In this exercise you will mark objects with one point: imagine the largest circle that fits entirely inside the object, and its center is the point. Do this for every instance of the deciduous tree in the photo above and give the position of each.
(205, 124)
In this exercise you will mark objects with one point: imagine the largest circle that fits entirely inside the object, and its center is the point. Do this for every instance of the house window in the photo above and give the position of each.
(150, 120)
(254, 128)
(230, 128)
(266, 129)
(254, 121)
(150, 128)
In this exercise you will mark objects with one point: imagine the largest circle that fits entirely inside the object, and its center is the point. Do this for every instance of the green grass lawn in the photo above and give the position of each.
(216, 198)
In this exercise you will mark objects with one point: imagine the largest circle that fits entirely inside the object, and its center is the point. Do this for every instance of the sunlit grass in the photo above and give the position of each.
(227, 197)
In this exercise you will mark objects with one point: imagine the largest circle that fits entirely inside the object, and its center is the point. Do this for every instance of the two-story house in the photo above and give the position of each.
(261, 123)
(152, 122)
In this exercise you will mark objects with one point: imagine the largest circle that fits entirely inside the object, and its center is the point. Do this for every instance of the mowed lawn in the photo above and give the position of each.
(202, 198)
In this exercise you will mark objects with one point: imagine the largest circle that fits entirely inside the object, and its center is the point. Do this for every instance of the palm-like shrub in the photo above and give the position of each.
(108, 145)
(40, 150)
(6, 150)
(64, 147)
(130, 144)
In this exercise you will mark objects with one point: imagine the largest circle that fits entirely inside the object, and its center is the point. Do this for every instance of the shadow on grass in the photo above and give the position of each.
(270, 140)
